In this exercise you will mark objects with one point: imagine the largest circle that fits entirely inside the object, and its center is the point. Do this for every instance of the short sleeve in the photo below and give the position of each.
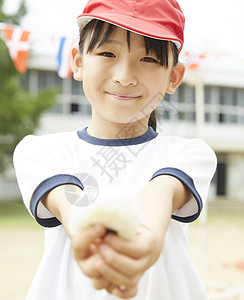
(39, 169)
(193, 162)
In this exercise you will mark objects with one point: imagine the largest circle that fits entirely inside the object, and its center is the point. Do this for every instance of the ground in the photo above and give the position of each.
(217, 248)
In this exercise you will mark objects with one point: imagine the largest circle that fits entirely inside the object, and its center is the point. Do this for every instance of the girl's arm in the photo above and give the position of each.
(120, 263)
(158, 199)
(56, 202)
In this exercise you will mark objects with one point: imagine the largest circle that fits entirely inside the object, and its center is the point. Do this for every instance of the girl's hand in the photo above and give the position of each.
(85, 249)
(123, 262)
(86, 253)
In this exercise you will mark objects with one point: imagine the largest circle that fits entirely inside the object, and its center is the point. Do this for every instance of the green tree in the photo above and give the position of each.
(20, 111)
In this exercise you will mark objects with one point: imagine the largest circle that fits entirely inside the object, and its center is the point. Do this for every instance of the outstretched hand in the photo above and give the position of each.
(85, 247)
(115, 264)
(124, 262)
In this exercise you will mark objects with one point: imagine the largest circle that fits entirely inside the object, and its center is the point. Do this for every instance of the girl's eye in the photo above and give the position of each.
(106, 54)
(149, 59)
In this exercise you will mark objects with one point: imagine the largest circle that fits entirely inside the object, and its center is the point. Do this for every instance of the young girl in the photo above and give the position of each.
(127, 60)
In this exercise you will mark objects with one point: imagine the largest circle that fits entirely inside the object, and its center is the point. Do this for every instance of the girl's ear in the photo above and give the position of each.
(77, 64)
(176, 78)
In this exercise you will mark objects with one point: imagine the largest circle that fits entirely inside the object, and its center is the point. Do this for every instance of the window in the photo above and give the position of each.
(179, 106)
(76, 87)
(207, 94)
(47, 79)
(228, 96)
(25, 80)
(74, 107)
(224, 105)
(42, 80)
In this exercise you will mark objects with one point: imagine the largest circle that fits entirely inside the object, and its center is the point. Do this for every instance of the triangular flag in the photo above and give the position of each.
(64, 57)
(18, 42)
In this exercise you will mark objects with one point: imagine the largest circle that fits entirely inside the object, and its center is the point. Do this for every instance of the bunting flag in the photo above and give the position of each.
(193, 60)
(64, 57)
(18, 42)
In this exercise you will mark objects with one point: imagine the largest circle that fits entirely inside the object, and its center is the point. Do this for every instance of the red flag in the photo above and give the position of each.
(18, 42)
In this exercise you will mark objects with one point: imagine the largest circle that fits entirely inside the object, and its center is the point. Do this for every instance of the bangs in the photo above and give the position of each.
(98, 36)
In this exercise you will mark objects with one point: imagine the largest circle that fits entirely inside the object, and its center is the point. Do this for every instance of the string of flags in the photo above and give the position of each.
(18, 42)
(193, 60)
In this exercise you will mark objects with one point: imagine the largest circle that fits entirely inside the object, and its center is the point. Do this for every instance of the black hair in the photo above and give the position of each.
(160, 47)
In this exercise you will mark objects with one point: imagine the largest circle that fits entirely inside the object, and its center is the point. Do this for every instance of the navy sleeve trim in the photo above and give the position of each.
(46, 186)
(188, 182)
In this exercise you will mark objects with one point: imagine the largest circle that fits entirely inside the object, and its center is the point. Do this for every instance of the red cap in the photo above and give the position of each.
(159, 19)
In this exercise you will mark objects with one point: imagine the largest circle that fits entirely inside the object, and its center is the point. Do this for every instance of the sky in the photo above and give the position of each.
(211, 25)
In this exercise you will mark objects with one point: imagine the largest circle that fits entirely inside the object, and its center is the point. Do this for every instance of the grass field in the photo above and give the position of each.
(15, 215)
(217, 249)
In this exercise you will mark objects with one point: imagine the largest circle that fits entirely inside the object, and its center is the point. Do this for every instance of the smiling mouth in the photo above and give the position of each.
(123, 96)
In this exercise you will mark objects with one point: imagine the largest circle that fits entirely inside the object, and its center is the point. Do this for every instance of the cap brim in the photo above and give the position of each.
(132, 24)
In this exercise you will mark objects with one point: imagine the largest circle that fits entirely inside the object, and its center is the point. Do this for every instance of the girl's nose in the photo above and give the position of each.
(125, 74)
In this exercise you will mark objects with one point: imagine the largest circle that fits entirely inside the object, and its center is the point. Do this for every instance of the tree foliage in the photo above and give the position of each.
(20, 111)
(15, 18)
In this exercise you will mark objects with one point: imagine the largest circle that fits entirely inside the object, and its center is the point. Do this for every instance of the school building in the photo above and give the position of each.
(209, 105)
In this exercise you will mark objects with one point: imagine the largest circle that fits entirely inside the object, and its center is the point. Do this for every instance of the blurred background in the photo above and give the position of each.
(38, 95)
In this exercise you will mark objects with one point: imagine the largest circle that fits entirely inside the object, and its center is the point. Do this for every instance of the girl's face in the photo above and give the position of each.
(123, 84)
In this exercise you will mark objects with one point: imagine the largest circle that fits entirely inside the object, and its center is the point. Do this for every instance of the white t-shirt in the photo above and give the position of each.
(101, 166)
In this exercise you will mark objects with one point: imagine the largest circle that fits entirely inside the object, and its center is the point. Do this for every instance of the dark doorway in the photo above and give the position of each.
(221, 179)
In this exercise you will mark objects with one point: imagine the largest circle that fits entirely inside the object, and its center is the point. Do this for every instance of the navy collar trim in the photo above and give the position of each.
(146, 137)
